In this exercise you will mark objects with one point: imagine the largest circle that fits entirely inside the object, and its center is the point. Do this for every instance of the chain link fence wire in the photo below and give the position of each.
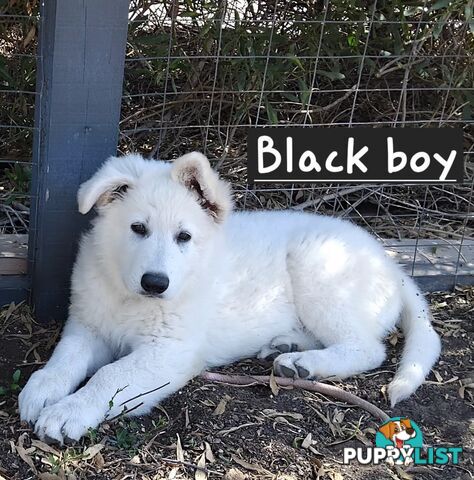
(18, 33)
(199, 74)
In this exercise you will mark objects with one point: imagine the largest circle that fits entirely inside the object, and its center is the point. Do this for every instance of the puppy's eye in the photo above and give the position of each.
(139, 228)
(183, 237)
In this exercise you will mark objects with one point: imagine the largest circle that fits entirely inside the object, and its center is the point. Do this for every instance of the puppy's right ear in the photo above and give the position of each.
(110, 182)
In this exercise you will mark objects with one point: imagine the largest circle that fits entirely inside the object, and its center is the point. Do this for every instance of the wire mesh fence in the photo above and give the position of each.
(18, 31)
(199, 73)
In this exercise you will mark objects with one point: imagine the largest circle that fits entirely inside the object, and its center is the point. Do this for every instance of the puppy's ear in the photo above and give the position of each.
(213, 194)
(406, 422)
(110, 182)
(387, 430)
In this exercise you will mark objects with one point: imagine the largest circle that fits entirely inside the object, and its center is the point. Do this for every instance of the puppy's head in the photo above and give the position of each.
(397, 431)
(156, 221)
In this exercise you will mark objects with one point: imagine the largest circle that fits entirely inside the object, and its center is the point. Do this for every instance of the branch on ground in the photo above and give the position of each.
(312, 386)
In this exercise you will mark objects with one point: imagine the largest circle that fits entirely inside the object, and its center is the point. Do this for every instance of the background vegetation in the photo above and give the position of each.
(199, 73)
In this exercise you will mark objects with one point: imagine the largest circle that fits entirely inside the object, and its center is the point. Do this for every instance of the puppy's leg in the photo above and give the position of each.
(78, 354)
(134, 383)
(340, 360)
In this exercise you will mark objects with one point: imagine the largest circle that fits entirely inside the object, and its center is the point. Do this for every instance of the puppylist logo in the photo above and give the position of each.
(399, 441)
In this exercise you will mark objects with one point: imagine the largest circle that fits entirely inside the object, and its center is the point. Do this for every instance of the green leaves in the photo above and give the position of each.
(14, 384)
(271, 113)
(352, 41)
(16, 377)
(440, 4)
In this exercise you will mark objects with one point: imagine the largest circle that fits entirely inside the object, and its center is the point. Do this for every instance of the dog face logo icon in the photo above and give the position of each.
(402, 434)
(398, 431)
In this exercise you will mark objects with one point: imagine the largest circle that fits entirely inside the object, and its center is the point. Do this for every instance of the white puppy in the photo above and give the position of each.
(168, 282)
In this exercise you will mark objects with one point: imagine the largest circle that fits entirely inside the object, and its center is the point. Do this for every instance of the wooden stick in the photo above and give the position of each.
(325, 389)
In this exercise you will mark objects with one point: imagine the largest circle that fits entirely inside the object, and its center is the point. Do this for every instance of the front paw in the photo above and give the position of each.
(43, 388)
(68, 420)
(293, 365)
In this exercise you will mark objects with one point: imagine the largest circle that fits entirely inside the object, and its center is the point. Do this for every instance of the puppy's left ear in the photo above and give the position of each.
(196, 174)
(111, 181)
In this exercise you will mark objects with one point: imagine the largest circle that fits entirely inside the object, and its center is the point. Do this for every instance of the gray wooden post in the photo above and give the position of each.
(80, 76)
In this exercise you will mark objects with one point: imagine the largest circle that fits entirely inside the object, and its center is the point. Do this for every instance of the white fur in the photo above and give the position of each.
(245, 284)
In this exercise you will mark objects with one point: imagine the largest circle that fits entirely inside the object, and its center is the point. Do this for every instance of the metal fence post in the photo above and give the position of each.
(80, 76)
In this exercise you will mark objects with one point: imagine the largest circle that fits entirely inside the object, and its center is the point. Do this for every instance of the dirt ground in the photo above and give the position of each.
(221, 431)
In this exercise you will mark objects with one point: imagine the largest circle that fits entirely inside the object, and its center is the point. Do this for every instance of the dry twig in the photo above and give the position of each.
(312, 386)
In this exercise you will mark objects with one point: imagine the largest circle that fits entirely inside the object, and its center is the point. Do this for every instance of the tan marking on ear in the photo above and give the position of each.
(213, 194)
(212, 208)
(112, 195)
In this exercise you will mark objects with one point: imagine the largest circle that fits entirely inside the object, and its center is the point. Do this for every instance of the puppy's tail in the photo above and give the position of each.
(422, 343)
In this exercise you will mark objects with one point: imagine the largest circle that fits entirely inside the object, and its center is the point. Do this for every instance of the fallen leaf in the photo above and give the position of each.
(44, 447)
(307, 441)
(338, 416)
(29, 36)
(273, 385)
(201, 463)
(273, 413)
(320, 473)
(220, 409)
(234, 474)
(92, 451)
(250, 466)
(179, 450)
(10, 310)
(234, 429)
(173, 473)
(99, 461)
(209, 455)
(23, 454)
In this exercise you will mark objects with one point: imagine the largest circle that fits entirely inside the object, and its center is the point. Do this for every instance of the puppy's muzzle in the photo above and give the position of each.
(155, 283)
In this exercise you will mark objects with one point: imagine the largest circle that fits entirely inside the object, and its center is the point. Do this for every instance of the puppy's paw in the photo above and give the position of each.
(43, 388)
(68, 420)
(293, 365)
(280, 344)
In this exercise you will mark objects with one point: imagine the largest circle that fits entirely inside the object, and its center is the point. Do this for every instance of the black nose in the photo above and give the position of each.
(410, 431)
(155, 282)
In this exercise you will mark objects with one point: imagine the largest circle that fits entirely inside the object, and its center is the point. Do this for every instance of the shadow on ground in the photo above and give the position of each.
(221, 431)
